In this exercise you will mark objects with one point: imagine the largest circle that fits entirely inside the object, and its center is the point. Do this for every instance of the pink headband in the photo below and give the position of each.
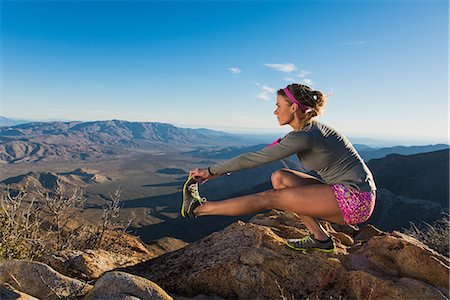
(291, 97)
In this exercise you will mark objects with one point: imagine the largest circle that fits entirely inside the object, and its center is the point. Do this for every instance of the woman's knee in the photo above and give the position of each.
(278, 178)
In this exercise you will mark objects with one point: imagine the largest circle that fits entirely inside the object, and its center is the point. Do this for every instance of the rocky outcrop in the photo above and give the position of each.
(400, 255)
(41, 281)
(244, 261)
(89, 264)
(120, 285)
(251, 260)
(65, 274)
(33, 280)
(164, 245)
(127, 250)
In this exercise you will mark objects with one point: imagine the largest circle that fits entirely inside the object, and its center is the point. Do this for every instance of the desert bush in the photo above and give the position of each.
(435, 236)
(109, 221)
(20, 224)
(31, 228)
(62, 206)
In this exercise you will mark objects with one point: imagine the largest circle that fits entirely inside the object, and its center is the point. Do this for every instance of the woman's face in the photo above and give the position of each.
(283, 112)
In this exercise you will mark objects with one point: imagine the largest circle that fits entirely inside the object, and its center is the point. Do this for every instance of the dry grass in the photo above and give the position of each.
(435, 236)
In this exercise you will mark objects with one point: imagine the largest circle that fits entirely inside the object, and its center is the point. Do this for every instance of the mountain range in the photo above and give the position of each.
(65, 141)
(419, 176)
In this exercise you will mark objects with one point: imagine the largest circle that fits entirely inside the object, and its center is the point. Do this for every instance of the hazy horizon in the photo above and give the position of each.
(279, 132)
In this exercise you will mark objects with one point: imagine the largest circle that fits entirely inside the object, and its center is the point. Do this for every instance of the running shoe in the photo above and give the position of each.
(191, 198)
(309, 243)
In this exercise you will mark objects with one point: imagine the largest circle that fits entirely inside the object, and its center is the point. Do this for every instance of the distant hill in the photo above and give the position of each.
(394, 212)
(47, 180)
(420, 176)
(366, 152)
(369, 153)
(11, 122)
(52, 141)
(223, 153)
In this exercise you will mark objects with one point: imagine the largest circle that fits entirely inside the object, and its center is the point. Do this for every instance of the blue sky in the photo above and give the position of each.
(218, 64)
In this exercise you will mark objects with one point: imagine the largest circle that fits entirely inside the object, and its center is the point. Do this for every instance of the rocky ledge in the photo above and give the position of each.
(245, 261)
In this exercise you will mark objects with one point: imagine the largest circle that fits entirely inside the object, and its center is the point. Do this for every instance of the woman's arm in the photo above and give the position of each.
(293, 142)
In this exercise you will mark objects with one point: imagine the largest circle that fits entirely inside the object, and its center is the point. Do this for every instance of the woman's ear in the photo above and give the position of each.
(294, 107)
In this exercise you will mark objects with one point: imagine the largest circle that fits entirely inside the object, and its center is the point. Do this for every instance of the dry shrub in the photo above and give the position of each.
(31, 228)
(20, 224)
(435, 236)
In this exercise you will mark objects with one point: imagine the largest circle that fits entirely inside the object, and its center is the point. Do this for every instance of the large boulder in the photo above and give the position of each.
(88, 264)
(403, 256)
(120, 285)
(251, 260)
(91, 264)
(41, 281)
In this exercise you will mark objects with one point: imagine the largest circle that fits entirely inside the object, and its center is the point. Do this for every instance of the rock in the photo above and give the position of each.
(243, 261)
(350, 230)
(368, 232)
(248, 260)
(343, 238)
(363, 285)
(8, 292)
(120, 285)
(129, 244)
(164, 245)
(91, 264)
(39, 280)
(403, 256)
(282, 221)
(88, 264)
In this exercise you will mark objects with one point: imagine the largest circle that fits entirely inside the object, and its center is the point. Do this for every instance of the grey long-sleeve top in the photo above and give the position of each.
(318, 147)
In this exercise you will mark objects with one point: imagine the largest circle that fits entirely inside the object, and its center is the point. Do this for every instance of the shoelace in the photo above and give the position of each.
(304, 240)
(193, 188)
(307, 239)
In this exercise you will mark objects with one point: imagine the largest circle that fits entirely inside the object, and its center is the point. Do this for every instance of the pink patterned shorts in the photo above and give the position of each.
(356, 206)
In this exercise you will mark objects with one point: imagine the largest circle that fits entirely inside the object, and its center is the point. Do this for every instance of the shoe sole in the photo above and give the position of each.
(185, 186)
(310, 249)
(184, 193)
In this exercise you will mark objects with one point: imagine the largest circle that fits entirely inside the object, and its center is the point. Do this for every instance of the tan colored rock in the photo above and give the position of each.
(8, 292)
(164, 245)
(286, 224)
(251, 261)
(39, 280)
(403, 256)
(121, 285)
(363, 285)
(129, 244)
(243, 261)
(343, 238)
(91, 264)
(368, 232)
(350, 230)
(88, 264)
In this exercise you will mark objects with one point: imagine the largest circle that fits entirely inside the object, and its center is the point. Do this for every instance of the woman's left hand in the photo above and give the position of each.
(201, 175)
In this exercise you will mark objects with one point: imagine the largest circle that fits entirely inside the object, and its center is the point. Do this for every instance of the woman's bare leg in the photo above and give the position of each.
(286, 178)
(312, 199)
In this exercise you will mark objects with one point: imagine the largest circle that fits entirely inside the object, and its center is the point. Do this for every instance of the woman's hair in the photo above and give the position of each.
(307, 96)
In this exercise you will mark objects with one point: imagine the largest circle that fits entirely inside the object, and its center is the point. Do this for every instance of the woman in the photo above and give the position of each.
(345, 194)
